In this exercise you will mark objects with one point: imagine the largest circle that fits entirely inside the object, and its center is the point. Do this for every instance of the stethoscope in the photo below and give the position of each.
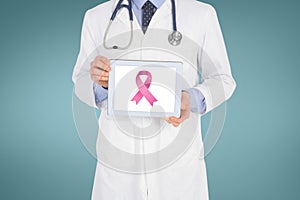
(174, 38)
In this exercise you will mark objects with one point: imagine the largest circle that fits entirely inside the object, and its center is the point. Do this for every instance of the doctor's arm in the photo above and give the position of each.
(83, 84)
(90, 75)
(217, 82)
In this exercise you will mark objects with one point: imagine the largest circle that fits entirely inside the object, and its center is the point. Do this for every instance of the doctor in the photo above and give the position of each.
(186, 178)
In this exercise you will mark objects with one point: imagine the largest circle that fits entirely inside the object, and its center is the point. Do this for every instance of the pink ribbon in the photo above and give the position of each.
(143, 88)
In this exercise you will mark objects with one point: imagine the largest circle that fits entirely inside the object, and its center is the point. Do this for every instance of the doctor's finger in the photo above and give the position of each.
(97, 77)
(103, 60)
(175, 124)
(176, 120)
(103, 78)
(100, 65)
(104, 74)
(95, 71)
(167, 119)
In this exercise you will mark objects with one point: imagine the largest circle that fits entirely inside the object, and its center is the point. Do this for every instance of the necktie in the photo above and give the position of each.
(148, 11)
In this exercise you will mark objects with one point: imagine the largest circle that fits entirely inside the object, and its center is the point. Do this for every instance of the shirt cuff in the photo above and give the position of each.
(100, 93)
(197, 101)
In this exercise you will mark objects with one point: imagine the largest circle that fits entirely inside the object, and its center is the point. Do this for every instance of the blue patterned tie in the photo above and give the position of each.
(148, 11)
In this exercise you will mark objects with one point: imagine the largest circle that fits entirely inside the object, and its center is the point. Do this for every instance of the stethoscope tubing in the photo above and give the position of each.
(119, 7)
(172, 37)
(174, 16)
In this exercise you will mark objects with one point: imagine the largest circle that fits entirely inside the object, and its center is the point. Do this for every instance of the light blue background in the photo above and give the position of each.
(257, 156)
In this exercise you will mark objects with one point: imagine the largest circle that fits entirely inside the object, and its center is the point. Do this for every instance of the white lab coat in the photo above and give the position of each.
(186, 178)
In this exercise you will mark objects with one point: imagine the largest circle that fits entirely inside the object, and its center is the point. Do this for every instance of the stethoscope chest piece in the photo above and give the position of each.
(175, 38)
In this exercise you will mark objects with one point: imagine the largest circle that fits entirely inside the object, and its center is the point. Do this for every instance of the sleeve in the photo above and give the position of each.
(217, 84)
(83, 85)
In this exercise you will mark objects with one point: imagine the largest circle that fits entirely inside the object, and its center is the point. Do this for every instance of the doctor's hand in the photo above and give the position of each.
(184, 111)
(99, 70)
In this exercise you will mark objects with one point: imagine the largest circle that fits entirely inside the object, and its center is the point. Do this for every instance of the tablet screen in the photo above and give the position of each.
(144, 88)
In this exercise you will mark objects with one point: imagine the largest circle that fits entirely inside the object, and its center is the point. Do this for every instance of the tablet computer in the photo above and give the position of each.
(144, 88)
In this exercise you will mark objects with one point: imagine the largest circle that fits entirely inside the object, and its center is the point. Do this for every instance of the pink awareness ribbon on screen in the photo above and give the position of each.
(143, 88)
